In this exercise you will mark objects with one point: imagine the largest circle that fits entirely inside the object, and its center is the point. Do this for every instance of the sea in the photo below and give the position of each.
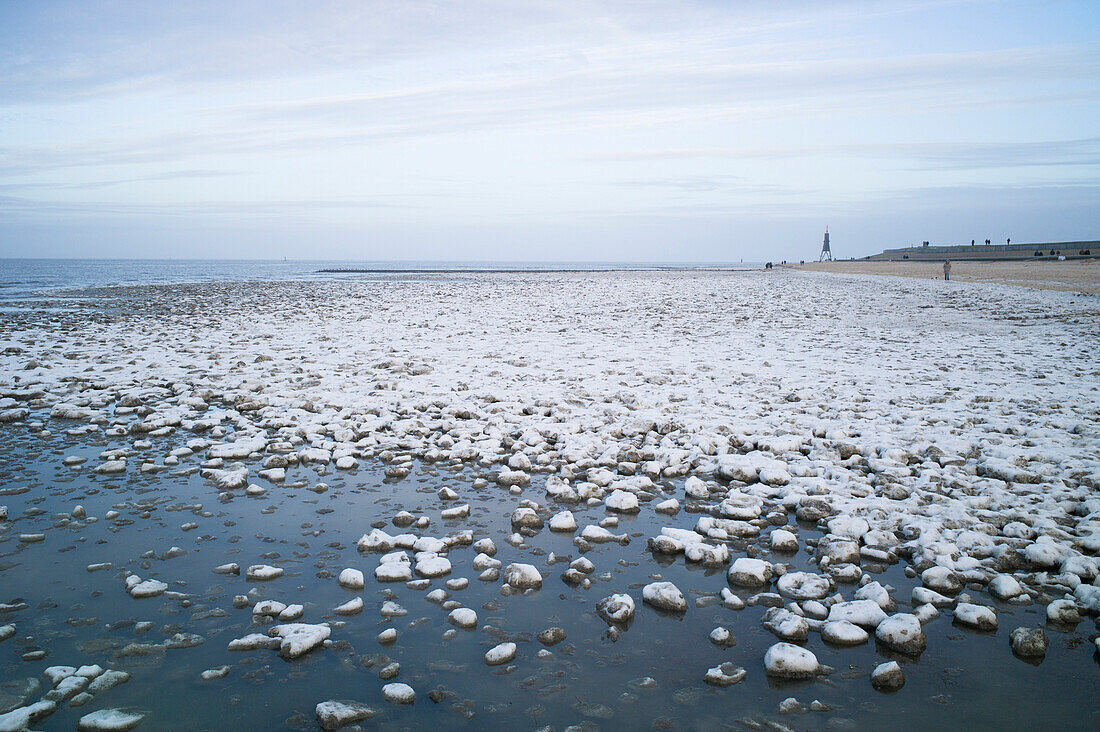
(20, 278)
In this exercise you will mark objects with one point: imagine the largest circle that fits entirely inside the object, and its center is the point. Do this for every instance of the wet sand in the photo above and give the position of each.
(1072, 276)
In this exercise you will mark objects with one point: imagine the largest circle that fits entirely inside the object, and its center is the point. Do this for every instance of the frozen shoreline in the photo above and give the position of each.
(952, 430)
(791, 364)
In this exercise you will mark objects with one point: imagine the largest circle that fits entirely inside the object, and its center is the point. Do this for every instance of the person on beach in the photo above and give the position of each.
(947, 269)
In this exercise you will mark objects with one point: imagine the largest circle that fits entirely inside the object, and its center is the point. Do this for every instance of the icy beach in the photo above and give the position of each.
(748, 500)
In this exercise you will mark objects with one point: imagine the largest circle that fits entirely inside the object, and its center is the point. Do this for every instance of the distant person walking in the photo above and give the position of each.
(947, 269)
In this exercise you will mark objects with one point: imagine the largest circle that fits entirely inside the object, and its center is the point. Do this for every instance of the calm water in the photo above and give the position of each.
(963, 679)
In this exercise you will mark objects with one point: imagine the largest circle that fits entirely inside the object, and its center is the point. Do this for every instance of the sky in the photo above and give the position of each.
(549, 130)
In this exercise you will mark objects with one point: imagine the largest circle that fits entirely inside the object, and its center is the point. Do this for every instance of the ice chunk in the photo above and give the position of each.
(563, 521)
(888, 676)
(463, 617)
(299, 638)
(23, 717)
(843, 633)
(864, 613)
(746, 572)
(148, 588)
(975, 616)
(398, 693)
(433, 565)
(110, 720)
(622, 502)
(522, 577)
(393, 571)
(376, 541)
(786, 625)
(262, 573)
(500, 654)
(726, 674)
(788, 661)
(354, 606)
(254, 641)
(351, 579)
(783, 541)
(664, 596)
(901, 632)
(335, 714)
(1029, 642)
(617, 608)
(804, 586)
(942, 580)
(1063, 612)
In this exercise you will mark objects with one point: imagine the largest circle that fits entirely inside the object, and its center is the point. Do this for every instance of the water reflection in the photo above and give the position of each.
(651, 677)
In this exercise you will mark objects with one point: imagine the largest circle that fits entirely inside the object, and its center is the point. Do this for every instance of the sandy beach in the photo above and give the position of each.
(1071, 276)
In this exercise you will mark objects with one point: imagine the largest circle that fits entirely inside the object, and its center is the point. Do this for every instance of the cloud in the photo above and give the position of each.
(626, 80)
(10, 205)
(931, 200)
(92, 185)
(973, 156)
(922, 156)
(707, 184)
(519, 113)
(66, 51)
(111, 49)
(1015, 197)
(616, 93)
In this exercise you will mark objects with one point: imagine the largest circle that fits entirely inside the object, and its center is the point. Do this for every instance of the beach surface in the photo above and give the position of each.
(643, 500)
(1069, 276)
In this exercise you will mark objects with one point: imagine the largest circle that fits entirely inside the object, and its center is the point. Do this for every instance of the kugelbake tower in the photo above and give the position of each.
(826, 253)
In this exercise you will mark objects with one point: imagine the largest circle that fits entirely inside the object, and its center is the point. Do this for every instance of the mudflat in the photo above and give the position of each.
(559, 497)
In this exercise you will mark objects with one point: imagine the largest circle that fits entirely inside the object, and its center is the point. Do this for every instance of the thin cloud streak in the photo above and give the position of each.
(919, 199)
(15, 205)
(89, 54)
(466, 107)
(96, 184)
(928, 156)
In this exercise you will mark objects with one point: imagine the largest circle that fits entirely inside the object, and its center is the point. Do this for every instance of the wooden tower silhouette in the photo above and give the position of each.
(826, 252)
